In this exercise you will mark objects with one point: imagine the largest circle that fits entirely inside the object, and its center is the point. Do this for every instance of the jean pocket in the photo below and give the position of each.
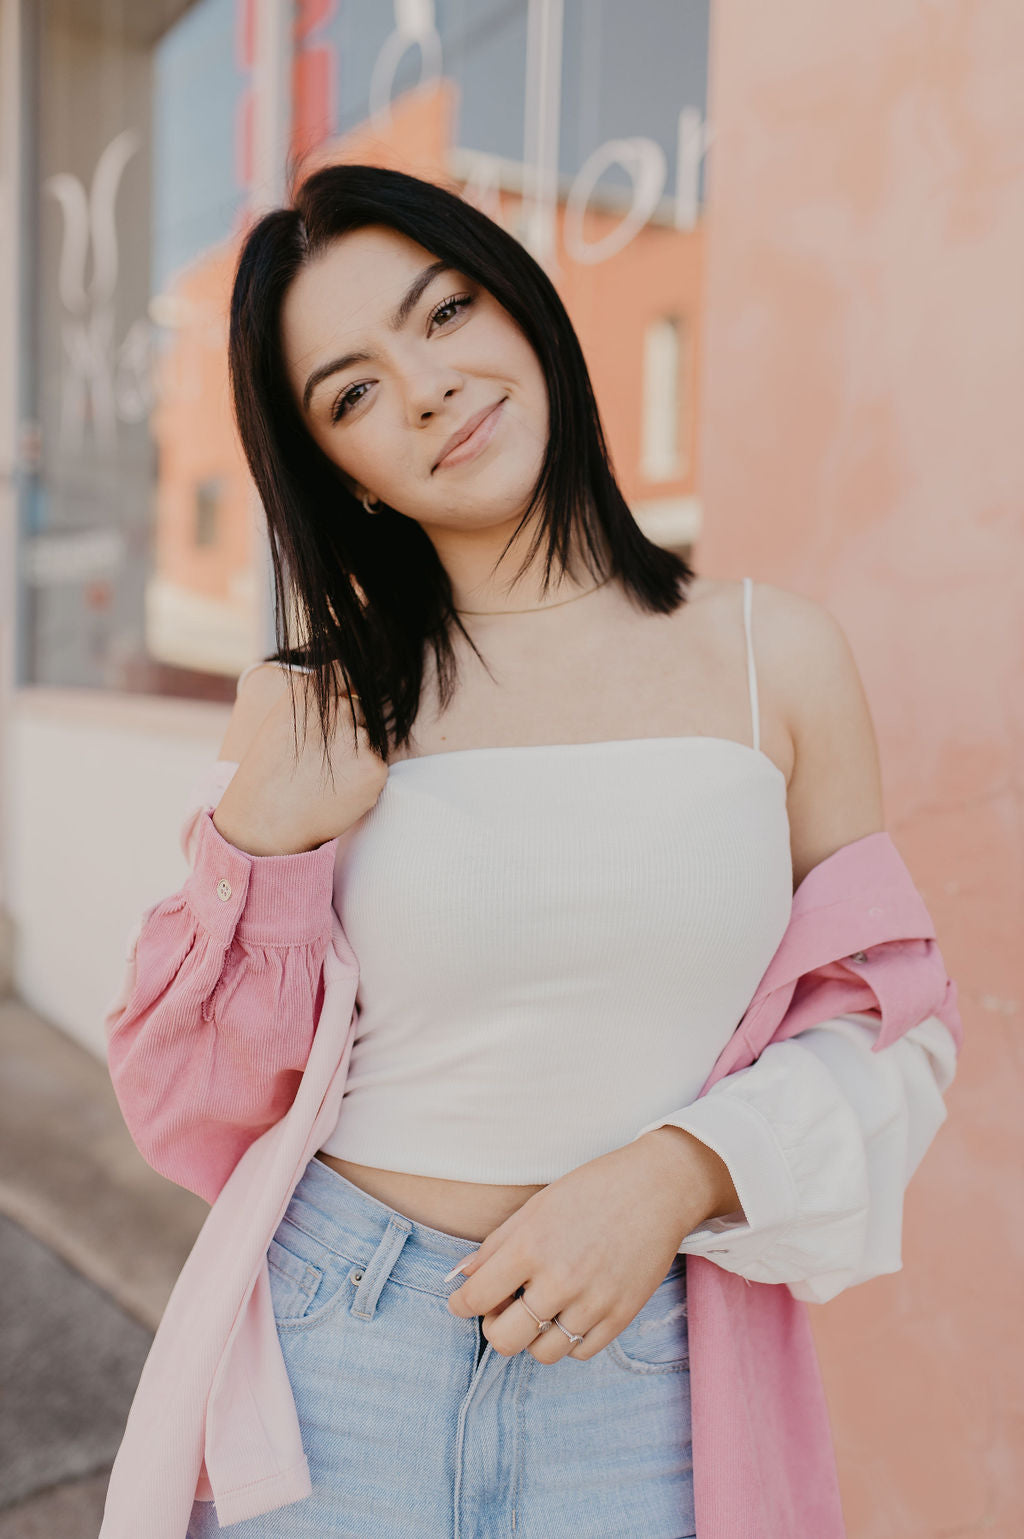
(307, 1279)
(657, 1339)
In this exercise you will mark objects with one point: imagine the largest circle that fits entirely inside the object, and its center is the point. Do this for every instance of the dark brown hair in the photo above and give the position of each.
(371, 592)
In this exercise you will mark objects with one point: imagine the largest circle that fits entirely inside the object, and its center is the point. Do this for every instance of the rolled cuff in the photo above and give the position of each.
(267, 900)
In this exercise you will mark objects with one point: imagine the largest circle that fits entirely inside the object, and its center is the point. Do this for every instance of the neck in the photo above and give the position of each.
(470, 557)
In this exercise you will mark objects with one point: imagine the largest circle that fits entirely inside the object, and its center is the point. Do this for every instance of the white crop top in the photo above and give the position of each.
(555, 943)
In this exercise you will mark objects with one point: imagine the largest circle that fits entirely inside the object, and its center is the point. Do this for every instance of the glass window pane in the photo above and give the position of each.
(139, 548)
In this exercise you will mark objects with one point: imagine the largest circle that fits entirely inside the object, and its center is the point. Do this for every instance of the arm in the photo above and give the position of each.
(820, 1135)
(209, 1038)
(210, 1032)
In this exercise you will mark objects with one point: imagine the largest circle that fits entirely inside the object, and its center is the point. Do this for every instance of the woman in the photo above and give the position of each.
(573, 804)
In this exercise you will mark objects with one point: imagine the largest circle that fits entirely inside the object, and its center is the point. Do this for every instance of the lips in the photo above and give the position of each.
(467, 430)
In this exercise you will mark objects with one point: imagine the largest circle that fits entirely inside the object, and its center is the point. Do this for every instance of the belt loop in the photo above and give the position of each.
(379, 1267)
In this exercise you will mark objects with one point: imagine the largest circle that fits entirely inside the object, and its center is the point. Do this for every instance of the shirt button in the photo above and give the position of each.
(858, 956)
(223, 889)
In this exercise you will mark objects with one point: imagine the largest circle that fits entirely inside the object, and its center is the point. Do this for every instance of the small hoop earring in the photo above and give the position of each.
(365, 500)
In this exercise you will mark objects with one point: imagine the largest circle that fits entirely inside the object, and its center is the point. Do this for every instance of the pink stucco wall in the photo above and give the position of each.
(862, 443)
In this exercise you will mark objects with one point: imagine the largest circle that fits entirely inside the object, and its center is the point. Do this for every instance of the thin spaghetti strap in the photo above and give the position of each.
(748, 594)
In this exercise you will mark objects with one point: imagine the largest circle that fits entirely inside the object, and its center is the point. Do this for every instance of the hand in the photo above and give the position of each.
(592, 1246)
(278, 804)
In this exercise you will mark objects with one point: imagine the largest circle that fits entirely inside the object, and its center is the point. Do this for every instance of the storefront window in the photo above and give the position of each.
(580, 126)
(138, 550)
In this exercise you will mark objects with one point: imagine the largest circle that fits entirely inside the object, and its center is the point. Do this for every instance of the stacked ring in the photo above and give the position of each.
(543, 1325)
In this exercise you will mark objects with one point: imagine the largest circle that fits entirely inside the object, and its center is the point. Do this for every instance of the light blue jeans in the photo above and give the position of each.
(416, 1428)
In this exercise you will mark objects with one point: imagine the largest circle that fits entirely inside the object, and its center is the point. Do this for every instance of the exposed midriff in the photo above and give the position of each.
(467, 1209)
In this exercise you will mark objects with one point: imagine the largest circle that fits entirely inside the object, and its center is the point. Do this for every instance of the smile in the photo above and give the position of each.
(478, 440)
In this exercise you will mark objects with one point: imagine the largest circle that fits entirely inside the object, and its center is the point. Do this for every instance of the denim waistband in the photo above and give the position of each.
(344, 1219)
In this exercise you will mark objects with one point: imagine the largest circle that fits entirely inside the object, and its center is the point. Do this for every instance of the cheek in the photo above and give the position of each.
(530, 382)
(369, 453)
(384, 459)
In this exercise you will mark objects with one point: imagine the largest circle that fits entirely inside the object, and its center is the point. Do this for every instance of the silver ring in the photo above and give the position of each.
(576, 1340)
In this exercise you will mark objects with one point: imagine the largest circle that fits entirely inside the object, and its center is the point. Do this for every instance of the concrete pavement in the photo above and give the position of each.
(91, 1242)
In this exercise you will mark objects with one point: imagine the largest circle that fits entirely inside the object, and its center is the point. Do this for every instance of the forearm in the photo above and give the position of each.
(701, 1170)
(822, 1135)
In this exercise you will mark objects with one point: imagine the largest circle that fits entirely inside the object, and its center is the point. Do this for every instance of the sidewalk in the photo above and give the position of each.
(91, 1242)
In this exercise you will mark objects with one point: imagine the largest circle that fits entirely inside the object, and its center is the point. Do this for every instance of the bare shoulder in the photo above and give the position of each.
(259, 690)
(799, 645)
(803, 640)
(808, 664)
(776, 612)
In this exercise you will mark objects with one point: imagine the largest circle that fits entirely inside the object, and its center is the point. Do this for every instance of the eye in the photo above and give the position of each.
(452, 305)
(456, 302)
(345, 400)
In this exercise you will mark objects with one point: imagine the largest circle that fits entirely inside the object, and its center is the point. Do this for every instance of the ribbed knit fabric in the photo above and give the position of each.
(580, 926)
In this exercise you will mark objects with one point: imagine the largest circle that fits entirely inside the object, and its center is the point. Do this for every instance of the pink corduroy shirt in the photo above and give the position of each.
(228, 1046)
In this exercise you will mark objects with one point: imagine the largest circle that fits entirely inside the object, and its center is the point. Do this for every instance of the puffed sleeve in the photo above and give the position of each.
(821, 1137)
(210, 1032)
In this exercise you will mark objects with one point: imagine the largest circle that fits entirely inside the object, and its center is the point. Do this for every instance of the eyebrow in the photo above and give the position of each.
(395, 322)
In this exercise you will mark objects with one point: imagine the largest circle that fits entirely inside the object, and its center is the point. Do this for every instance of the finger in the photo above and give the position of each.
(492, 1273)
(554, 1344)
(487, 1320)
(517, 1330)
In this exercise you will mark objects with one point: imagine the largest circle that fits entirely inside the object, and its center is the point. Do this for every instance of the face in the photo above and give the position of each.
(387, 360)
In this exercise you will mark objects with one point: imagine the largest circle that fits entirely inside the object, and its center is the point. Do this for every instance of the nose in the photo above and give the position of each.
(427, 391)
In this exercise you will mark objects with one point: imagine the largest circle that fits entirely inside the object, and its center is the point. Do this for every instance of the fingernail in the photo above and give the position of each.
(456, 1270)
